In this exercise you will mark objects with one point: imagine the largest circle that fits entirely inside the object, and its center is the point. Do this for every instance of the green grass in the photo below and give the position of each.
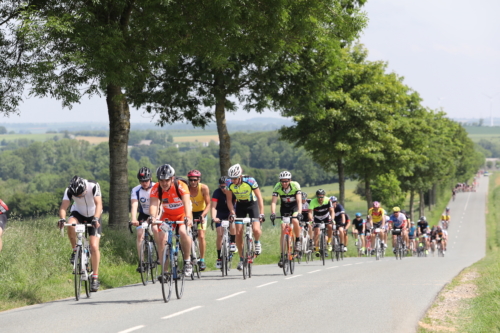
(36, 137)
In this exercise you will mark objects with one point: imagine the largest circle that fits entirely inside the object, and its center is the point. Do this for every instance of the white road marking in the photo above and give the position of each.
(348, 265)
(292, 277)
(359, 263)
(232, 295)
(181, 312)
(333, 267)
(314, 271)
(263, 285)
(132, 329)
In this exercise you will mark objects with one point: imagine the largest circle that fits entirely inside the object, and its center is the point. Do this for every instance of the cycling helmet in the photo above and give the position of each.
(320, 192)
(144, 174)
(447, 209)
(358, 214)
(165, 172)
(376, 204)
(78, 185)
(194, 173)
(422, 218)
(222, 180)
(333, 198)
(235, 171)
(396, 209)
(304, 196)
(412, 222)
(285, 175)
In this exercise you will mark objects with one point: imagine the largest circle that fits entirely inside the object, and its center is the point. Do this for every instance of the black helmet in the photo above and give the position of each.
(222, 180)
(144, 174)
(165, 172)
(304, 196)
(77, 185)
(320, 192)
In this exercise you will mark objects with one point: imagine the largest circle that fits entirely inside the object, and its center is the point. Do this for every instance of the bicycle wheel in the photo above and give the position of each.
(285, 256)
(337, 248)
(377, 248)
(153, 261)
(89, 272)
(223, 257)
(291, 254)
(195, 259)
(144, 261)
(78, 272)
(322, 246)
(166, 267)
(179, 281)
(251, 255)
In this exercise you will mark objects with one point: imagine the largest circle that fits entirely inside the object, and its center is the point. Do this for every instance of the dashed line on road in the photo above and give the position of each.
(232, 295)
(181, 312)
(358, 263)
(347, 265)
(266, 284)
(135, 328)
(314, 271)
(293, 277)
(333, 267)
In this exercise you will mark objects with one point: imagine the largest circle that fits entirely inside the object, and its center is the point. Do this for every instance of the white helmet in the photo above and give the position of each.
(285, 175)
(235, 171)
(165, 172)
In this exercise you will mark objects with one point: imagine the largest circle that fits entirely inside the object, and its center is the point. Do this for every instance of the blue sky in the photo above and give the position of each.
(447, 50)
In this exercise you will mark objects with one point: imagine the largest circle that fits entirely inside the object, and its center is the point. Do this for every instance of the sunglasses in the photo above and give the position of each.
(320, 197)
(193, 179)
(284, 181)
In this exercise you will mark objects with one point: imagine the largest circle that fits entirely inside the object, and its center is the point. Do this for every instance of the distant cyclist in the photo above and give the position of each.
(139, 201)
(412, 234)
(3, 219)
(291, 204)
(398, 221)
(321, 211)
(359, 228)
(200, 199)
(341, 222)
(423, 232)
(377, 215)
(86, 209)
(305, 215)
(442, 235)
(248, 202)
(446, 218)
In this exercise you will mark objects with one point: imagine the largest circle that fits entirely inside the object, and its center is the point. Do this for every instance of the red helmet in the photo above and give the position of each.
(194, 173)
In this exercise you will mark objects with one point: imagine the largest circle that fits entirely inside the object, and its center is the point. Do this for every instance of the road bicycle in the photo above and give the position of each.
(287, 252)
(399, 245)
(379, 252)
(444, 224)
(225, 254)
(337, 249)
(359, 246)
(440, 249)
(368, 241)
(195, 249)
(305, 249)
(322, 242)
(421, 252)
(82, 266)
(148, 257)
(412, 249)
(171, 261)
(248, 246)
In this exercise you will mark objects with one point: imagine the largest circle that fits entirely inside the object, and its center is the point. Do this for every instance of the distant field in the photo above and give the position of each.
(94, 140)
(36, 137)
(196, 138)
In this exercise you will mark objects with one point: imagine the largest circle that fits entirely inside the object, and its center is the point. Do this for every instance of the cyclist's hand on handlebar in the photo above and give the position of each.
(212, 224)
(95, 222)
(60, 223)
(300, 217)
(262, 218)
(188, 222)
(232, 217)
(134, 223)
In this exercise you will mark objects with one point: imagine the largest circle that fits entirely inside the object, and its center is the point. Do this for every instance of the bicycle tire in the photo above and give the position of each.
(322, 246)
(196, 267)
(143, 258)
(89, 273)
(292, 254)
(179, 281)
(223, 257)
(154, 263)
(284, 255)
(377, 248)
(166, 265)
(337, 248)
(251, 256)
(78, 269)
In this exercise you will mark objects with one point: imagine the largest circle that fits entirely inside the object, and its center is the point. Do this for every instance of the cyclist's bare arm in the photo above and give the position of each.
(153, 207)
(273, 204)
(206, 196)
(134, 203)
(229, 200)
(98, 209)
(63, 208)
(260, 201)
(188, 208)
(298, 198)
(214, 211)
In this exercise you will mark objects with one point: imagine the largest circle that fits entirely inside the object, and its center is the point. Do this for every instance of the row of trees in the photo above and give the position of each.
(372, 127)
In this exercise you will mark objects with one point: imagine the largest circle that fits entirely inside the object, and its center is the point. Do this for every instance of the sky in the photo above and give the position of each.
(447, 50)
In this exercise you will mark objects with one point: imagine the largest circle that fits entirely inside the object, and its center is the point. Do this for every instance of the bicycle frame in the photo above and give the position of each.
(248, 246)
(226, 255)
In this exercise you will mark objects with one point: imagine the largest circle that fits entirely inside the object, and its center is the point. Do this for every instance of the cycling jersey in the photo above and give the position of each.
(339, 210)
(358, 224)
(198, 200)
(321, 212)
(84, 205)
(221, 207)
(445, 217)
(397, 221)
(412, 231)
(173, 207)
(142, 196)
(422, 225)
(377, 214)
(243, 191)
(288, 196)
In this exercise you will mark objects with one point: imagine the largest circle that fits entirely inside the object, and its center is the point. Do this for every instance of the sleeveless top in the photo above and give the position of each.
(198, 201)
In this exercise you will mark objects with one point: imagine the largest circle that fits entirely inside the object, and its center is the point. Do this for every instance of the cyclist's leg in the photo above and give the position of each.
(140, 235)
(316, 235)
(185, 241)
(253, 213)
(74, 218)
(94, 238)
(202, 228)
(240, 213)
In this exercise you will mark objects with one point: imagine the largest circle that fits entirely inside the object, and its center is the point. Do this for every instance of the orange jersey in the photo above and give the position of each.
(173, 207)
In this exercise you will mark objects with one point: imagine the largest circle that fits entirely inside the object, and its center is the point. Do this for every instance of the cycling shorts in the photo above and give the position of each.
(85, 220)
(142, 217)
(377, 225)
(412, 237)
(341, 225)
(201, 226)
(316, 224)
(3, 221)
(244, 208)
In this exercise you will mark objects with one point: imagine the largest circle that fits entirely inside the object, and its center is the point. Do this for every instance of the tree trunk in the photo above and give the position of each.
(422, 203)
(224, 139)
(412, 198)
(119, 128)
(340, 168)
(368, 193)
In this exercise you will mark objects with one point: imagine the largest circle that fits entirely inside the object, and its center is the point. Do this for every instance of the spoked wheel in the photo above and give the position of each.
(291, 254)
(144, 262)
(251, 256)
(196, 266)
(377, 248)
(166, 273)
(322, 247)
(223, 257)
(154, 261)
(285, 255)
(89, 274)
(337, 248)
(78, 272)
(179, 281)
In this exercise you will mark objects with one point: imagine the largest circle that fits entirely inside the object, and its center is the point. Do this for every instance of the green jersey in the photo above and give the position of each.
(288, 196)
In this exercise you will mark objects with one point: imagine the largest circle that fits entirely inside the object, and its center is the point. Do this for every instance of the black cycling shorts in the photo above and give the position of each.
(288, 210)
(85, 220)
(244, 208)
(143, 217)
(3, 221)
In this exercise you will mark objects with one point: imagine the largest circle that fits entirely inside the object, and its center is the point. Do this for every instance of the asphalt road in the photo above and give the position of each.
(354, 295)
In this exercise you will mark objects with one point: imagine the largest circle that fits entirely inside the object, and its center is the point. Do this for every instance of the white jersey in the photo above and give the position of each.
(85, 205)
(142, 196)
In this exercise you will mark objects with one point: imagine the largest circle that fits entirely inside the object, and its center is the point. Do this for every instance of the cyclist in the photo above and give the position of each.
(422, 232)
(291, 204)
(220, 211)
(139, 200)
(368, 232)
(446, 218)
(412, 232)
(377, 216)
(86, 208)
(443, 236)
(321, 211)
(398, 221)
(359, 227)
(305, 213)
(342, 223)
(3, 219)
(173, 195)
(248, 202)
(200, 199)
(433, 237)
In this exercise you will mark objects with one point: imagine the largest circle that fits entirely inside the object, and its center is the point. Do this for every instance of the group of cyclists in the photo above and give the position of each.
(188, 202)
